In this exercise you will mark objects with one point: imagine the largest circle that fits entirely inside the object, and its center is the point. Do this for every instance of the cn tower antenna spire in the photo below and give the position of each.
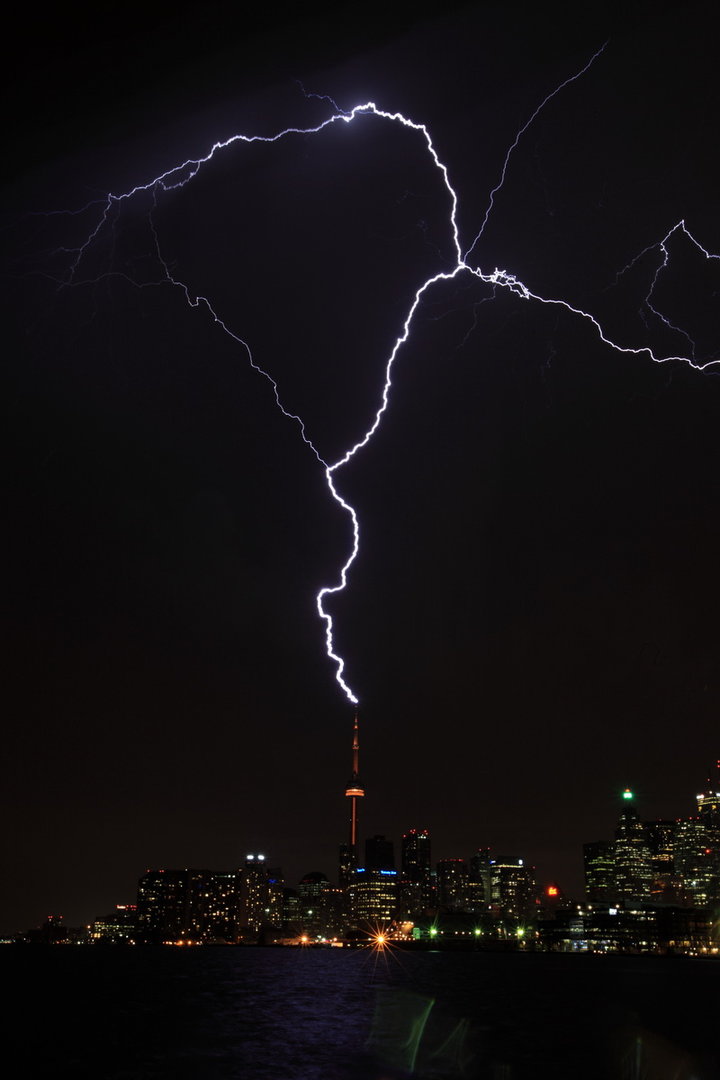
(354, 791)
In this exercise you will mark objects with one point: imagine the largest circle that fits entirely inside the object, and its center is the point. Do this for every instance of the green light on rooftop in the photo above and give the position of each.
(627, 793)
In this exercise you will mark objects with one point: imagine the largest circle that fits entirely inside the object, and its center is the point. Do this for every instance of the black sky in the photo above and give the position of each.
(532, 624)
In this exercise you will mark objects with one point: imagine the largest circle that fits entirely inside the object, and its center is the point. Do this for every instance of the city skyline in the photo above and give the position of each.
(531, 624)
(662, 861)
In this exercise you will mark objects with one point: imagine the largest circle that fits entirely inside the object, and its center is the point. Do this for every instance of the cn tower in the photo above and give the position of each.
(353, 792)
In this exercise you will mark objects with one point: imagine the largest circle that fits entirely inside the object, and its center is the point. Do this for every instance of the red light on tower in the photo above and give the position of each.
(552, 890)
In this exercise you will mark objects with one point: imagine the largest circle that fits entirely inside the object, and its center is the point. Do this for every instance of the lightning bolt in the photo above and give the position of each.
(107, 210)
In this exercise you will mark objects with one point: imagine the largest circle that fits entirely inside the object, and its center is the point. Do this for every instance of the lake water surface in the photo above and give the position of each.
(272, 1014)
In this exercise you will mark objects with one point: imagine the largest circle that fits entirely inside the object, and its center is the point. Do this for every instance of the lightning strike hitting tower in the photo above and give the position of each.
(353, 792)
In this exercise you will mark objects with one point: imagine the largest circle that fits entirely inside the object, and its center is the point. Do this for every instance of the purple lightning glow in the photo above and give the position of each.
(181, 175)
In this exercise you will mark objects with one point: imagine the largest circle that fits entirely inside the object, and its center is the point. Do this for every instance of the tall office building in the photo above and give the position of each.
(220, 906)
(374, 889)
(452, 882)
(633, 863)
(697, 847)
(163, 906)
(417, 881)
(373, 897)
(599, 865)
(512, 888)
(415, 854)
(478, 890)
(317, 902)
(696, 862)
(661, 841)
(259, 894)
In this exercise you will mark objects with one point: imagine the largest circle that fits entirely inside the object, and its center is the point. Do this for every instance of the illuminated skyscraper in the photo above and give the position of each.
(478, 889)
(373, 897)
(512, 888)
(633, 861)
(259, 893)
(316, 914)
(696, 847)
(416, 861)
(162, 905)
(220, 906)
(661, 840)
(599, 864)
(452, 881)
(417, 884)
(374, 888)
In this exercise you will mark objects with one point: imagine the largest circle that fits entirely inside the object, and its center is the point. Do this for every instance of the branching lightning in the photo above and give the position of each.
(183, 174)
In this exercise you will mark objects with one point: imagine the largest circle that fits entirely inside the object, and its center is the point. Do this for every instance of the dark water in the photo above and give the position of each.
(271, 1014)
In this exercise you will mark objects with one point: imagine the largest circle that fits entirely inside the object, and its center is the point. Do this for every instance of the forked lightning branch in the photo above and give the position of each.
(78, 258)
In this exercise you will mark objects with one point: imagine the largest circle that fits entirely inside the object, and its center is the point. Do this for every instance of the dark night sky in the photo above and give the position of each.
(532, 624)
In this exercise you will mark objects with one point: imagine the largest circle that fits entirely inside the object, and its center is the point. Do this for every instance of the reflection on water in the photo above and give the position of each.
(271, 1014)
